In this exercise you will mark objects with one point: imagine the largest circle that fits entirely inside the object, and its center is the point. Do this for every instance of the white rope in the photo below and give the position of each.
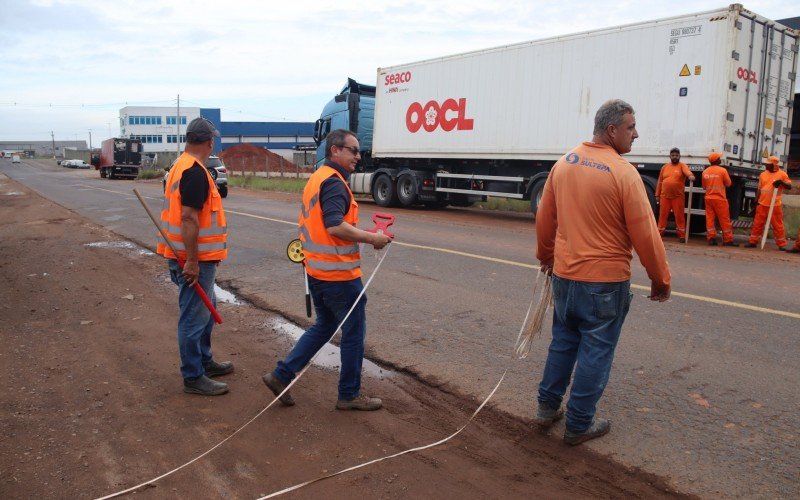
(534, 328)
(419, 448)
(269, 405)
(545, 295)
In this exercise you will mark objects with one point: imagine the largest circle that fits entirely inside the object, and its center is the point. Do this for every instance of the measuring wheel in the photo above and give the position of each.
(295, 251)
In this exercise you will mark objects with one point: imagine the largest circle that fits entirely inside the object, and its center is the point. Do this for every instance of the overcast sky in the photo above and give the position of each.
(68, 66)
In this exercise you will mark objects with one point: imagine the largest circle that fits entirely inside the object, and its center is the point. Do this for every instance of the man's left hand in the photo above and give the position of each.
(191, 272)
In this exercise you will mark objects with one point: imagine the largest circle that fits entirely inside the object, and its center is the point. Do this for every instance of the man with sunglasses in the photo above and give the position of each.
(328, 220)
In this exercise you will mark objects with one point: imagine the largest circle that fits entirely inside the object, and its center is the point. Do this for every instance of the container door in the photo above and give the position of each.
(764, 66)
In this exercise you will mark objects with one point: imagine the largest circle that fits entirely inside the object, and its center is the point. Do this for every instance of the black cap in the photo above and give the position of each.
(201, 129)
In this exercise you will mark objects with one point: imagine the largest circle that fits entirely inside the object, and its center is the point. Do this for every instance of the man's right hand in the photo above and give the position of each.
(659, 292)
(379, 240)
(191, 272)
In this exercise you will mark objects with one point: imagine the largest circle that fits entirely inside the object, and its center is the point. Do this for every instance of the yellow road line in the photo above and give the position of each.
(690, 296)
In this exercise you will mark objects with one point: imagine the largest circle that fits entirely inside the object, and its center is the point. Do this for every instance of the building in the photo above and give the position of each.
(158, 129)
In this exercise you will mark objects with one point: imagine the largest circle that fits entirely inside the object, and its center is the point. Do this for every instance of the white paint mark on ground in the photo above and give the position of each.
(121, 244)
(225, 296)
(329, 356)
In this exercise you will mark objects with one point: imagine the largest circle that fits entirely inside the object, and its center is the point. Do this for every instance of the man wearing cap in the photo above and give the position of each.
(770, 179)
(715, 180)
(669, 193)
(193, 218)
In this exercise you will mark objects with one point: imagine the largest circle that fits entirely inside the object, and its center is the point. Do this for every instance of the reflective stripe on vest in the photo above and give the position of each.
(212, 232)
(327, 257)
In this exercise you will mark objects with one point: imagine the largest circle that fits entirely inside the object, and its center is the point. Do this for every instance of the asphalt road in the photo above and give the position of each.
(704, 388)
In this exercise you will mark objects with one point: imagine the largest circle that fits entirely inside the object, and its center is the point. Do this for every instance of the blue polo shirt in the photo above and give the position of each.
(333, 197)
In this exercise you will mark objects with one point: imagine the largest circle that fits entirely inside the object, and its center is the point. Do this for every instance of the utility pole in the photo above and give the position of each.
(90, 146)
(53, 138)
(178, 124)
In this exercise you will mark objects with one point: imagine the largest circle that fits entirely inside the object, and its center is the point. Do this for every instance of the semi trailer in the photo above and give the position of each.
(457, 129)
(120, 158)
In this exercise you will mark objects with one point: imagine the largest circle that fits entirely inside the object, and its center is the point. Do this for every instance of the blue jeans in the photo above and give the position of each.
(195, 322)
(587, 320)
(332, 300)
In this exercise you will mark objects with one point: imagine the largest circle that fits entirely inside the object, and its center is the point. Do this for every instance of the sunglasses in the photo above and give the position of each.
(352, 149)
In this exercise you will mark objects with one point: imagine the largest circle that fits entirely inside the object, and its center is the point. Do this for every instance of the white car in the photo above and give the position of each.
(218, 171)
(74, 164)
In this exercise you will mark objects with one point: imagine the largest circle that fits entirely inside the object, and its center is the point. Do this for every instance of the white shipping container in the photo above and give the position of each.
(713, 81)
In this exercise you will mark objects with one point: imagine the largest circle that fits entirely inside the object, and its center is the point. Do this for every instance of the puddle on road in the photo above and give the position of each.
(328, 356)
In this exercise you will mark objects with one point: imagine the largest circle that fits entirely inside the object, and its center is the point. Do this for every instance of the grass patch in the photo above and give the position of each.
(284, 184)
(505, 204)
(150, 173)
(791, 220)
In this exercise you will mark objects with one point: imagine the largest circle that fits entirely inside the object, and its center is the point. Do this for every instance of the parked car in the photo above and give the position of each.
(15, 159)
(66, 163)
(78, 164)
(218, 171)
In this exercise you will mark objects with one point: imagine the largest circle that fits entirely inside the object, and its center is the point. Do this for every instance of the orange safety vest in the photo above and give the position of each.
(212, 239)
(327, 258)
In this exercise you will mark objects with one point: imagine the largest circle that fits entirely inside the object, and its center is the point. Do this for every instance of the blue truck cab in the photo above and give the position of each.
(352, 109)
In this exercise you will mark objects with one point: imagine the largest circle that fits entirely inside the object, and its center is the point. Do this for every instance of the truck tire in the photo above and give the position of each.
(110, 173)
(102, 173)
(384, 191)
(650, 189)
(407, 190)
(223, 191)
(536, 195)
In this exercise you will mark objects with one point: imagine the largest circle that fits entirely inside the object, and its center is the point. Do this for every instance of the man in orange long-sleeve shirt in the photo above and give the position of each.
(669, 193)
(770, 179)
(715, 180)
(594, 208)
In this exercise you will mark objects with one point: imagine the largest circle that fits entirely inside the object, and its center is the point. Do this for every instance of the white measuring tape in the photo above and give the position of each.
(521, 350)
(338, 329)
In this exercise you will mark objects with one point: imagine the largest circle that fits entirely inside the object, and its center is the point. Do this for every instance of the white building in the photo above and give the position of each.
(157, 127)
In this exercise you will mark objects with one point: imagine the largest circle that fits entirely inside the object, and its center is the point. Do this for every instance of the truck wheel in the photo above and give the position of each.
(407, 190)
(223, 191)
(650, 189)
(110, 173)
(536, 195)
(384, 192)
(102, 173)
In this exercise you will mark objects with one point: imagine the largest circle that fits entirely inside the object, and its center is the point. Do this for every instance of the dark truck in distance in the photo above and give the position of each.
(119, 158)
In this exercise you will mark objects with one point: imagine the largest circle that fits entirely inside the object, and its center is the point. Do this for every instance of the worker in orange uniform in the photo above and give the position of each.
(669, 193)
(770, 179)
(715, 180)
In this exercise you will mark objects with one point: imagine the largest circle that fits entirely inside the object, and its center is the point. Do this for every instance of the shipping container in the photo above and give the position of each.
(492, 122)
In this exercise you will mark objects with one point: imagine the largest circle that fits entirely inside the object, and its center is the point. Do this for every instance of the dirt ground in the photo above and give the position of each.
(94, 404)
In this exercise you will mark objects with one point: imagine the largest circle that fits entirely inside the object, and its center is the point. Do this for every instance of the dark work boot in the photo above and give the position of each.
(362, 403)
(214, 369)
(204, 386)
(277, 387)
(712, 242)
(547, 416)
(599, 427)
(750, 245)
(793, 250)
